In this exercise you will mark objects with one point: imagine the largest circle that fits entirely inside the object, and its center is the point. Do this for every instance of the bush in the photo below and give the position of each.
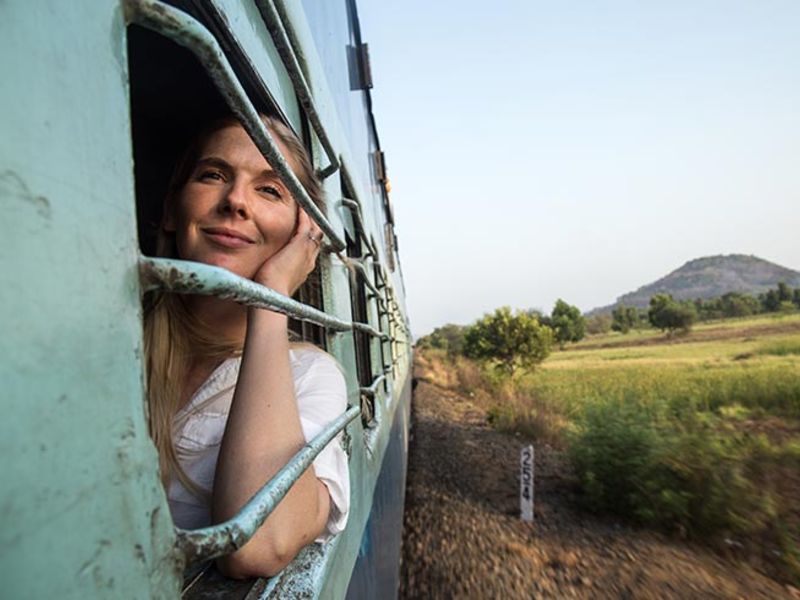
(508, 340)
(694, 475)
(668, 315)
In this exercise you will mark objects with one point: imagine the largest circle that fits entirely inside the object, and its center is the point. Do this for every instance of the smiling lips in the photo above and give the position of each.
(228, 238)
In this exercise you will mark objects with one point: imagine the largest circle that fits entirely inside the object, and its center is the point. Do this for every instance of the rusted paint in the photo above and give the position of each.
(187, 277)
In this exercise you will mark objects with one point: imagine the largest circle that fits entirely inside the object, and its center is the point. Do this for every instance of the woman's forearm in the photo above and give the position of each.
(262, 433)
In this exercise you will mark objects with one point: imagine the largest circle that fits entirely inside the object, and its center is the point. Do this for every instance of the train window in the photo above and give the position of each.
(358, 303)
(172, 97)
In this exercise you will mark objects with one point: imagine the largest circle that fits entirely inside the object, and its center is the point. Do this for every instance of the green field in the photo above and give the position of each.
(698, 434)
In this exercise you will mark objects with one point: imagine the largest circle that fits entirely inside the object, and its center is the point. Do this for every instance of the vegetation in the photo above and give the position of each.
(712, 277)
(447, 337)
(624, 318)
(668, 315)
(567, 322)
(699, 435)
(508, 340)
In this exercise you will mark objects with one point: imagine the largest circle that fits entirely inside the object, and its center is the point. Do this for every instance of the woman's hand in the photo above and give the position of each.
(287, 269)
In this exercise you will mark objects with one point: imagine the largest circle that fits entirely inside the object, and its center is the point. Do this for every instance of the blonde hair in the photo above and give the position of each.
(173, 337)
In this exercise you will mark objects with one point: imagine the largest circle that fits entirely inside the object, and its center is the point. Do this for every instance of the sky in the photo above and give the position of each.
(579, 150)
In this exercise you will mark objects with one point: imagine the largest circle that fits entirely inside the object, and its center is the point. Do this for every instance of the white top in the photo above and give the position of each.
(321, 396)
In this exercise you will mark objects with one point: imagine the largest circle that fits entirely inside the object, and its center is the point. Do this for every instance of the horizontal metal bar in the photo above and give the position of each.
(370, 391)
(186, 277)
(229, 536)
(191, 34)
(283, 36)
(370, 330)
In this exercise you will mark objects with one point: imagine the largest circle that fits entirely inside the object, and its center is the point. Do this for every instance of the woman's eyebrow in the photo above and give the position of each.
(213, 161)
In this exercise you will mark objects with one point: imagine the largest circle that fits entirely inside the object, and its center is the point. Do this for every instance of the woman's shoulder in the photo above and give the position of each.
(306, 357)
(319, 383)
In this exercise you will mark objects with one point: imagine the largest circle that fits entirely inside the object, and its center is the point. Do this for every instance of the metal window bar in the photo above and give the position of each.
(229, 536)
(358, 266)
(372, 390)
(187, 277)
(349, 185)
(371, 330)
(355, 209)
(191, 34)
(286, 43)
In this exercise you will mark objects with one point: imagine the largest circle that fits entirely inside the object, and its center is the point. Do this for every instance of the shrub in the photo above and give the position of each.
(692, 475)
(508, 340)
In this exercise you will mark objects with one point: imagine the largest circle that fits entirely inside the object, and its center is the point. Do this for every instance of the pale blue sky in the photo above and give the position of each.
(581, 149)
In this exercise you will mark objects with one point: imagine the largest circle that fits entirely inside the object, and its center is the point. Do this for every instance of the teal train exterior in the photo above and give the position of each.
(96, 98)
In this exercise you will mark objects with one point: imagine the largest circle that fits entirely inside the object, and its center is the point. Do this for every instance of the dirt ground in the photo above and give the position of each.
(463, 537)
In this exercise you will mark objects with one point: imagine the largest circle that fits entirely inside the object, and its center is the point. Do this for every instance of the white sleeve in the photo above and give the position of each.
(321, 395)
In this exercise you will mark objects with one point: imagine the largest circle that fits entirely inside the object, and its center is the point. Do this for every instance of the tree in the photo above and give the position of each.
(447, 337)
(510, 340)
(567, 322)
(784, 292)
(598, 324)
(624, 318)
(796, 297)
(771, 301)
(734, 304)
(668, 315)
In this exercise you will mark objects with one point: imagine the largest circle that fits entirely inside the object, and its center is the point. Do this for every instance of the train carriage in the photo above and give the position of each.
(97, 100)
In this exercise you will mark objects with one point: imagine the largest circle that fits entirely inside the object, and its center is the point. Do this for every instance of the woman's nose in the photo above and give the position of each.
(234, 201)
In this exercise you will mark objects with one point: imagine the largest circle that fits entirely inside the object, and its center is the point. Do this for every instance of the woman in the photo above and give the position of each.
(219, 437)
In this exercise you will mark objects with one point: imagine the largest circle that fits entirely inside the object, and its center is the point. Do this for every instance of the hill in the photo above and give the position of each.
(710, 277)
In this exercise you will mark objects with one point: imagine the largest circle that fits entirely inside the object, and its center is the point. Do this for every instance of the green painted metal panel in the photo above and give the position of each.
(82, 513)
(247, 26)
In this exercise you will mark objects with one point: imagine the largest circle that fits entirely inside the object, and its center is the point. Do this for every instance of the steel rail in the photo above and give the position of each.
(192, 35)
(228, 536)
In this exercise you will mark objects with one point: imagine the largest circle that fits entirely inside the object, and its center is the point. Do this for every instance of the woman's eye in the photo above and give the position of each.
(210, 176)
(271, 190)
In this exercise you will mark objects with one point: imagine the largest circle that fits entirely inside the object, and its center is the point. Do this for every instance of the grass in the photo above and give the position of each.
(699, 435)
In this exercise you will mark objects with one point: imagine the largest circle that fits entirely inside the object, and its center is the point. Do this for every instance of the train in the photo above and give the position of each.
(97, 99)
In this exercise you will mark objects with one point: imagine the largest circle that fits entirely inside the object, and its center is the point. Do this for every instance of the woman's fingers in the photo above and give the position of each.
(310, 230)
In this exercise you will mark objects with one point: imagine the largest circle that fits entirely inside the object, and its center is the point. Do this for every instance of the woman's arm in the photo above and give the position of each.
(263, 430)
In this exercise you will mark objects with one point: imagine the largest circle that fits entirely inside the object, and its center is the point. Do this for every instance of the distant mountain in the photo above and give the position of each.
(710, 277)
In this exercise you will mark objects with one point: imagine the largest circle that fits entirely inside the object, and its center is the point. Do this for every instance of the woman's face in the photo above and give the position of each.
(234, 211)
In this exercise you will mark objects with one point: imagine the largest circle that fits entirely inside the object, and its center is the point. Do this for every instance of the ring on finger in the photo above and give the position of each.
(316, 240)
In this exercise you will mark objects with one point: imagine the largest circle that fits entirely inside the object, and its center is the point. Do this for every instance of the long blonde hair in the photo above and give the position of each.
(173, 337)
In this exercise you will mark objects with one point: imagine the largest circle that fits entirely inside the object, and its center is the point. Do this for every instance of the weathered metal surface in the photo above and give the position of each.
(188, 32)
(288, 53)
(377, 570)
(229, 536)
(82, 511)
(186, 277)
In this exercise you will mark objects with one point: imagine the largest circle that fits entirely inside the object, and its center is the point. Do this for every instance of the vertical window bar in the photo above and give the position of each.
(285, 41)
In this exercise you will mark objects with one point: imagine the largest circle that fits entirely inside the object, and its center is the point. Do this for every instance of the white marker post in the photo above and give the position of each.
(526, 483)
